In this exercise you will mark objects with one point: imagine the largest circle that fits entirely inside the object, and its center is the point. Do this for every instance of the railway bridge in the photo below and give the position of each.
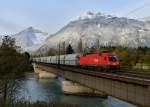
(132, 88)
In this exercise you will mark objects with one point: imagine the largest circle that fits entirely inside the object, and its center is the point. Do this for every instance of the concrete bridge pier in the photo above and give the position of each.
(42, 73)
(73, 88)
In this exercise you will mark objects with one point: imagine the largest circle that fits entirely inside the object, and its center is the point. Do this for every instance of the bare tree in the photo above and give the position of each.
(80, 46)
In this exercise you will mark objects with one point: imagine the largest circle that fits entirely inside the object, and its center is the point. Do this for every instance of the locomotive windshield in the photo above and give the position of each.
(113, 58)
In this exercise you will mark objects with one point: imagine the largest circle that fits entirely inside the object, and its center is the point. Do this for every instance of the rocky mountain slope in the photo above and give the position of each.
(109, 30)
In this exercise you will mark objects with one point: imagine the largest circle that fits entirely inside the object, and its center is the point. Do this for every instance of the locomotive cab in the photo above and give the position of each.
(113, 59)
(113, 62)
(110, 61)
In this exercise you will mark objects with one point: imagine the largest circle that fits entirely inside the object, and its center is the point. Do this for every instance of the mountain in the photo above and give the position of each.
(30, 39)
(145, 19)
(108, 29)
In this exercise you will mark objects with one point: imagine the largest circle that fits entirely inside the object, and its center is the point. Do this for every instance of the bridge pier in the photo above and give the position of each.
(42, 73)
(70, 87)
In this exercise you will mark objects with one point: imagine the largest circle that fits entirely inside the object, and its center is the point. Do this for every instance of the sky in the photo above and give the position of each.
(51, 15)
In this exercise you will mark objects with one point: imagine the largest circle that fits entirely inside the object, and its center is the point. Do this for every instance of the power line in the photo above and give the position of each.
(137, 9)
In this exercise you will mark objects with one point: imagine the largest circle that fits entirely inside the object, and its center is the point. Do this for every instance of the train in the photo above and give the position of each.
(104, 61)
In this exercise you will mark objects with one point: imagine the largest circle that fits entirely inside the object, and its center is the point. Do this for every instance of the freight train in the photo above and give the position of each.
(103, 62)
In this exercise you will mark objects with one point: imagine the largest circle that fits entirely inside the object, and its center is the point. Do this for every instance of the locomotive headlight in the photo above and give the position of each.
(116, 63)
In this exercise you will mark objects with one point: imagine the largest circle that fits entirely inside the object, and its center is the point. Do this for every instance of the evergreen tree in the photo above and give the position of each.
(69, 50)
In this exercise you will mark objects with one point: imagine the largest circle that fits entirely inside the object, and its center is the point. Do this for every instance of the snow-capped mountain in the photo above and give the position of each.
(145, 19)
(108, 29)
(30, 39)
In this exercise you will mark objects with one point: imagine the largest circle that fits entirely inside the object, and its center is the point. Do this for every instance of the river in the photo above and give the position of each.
(33, 89)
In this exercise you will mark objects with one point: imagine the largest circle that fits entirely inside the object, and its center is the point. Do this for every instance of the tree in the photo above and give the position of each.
(145, 56)
(8, 55)
(69, 50)
(92, 49)
(80, 46)
(51, 52)
(97, 45)
(25, 63)
(63, 48)
(12, 63)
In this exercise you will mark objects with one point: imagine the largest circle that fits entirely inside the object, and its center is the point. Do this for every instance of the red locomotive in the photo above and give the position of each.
(103, 60)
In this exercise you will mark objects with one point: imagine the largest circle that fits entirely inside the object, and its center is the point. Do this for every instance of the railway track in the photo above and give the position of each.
(128, 73)
(138, 79)
(122, 72)
(135, 73)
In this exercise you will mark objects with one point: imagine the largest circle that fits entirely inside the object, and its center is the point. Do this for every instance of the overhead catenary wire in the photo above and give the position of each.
(137, 9)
